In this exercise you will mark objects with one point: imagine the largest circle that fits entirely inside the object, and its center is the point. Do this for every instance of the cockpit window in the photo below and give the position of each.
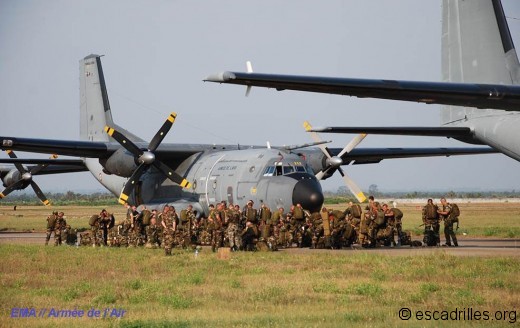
(300, 169)
(280, 168)
(269, 171)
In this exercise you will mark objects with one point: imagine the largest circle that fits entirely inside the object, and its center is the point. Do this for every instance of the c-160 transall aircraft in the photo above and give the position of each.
(480, 70)
(156, 173)
(180, 174)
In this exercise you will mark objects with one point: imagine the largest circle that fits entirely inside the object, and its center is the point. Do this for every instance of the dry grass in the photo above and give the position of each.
(249, 290)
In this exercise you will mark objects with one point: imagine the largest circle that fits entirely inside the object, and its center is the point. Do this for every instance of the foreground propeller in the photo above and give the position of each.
(146, 158)
(26, 179)
(334, 162)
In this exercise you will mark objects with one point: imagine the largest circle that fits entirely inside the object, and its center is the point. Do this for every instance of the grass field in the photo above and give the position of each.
(478, 219)
(277, 289)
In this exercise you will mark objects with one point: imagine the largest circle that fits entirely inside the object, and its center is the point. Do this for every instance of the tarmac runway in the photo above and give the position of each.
(488, 247)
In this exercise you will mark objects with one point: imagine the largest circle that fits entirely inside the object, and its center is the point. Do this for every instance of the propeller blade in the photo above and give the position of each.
(124, 141)
(11, 188)
(352, 186)
(322, 173)
(130, 184)
(40, 167)
(159, 136)
(40, 194)
(172, 175)
(352, 144)
(315, 136)
(18, 166)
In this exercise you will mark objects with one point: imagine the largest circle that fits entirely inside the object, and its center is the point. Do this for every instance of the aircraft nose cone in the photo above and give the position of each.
(308, 193)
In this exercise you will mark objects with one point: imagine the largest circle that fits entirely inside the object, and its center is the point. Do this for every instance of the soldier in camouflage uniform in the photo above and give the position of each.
(183, 232)
(152, 234)
(297, 224)
(446, 216)
(168, 230)
(250, 214)
(51, 221)
(337, 228)
(216, 230)
(317, 230)
(431, 222)
(232, 229)
(59, 226)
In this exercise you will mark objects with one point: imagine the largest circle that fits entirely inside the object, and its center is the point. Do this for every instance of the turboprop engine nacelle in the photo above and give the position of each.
(11, 177)
(121, 163)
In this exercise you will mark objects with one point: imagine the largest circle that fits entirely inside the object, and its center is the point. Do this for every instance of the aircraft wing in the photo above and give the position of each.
(376, 155)
(95, 149)
(495, 96)
(448, 132)
(51, 169)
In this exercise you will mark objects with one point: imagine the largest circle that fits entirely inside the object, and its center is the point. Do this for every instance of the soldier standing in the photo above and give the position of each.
(431, 222)
(446, 215)
(59, 226)
(216, 227)
(232, 229)
(168, 230)
(51, 221)
(250, 214)
(152, 233)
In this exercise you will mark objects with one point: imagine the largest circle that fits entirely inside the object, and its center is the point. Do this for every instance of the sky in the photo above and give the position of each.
(156, 54)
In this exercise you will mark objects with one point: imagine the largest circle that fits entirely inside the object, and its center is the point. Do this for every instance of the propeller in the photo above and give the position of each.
(334, 162)
(146, 158)
(26, 179)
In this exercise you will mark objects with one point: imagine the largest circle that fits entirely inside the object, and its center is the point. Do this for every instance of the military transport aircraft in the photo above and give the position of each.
(481, 72)
(180, 174)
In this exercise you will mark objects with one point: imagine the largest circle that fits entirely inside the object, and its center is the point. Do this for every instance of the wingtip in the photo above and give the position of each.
(220, 77)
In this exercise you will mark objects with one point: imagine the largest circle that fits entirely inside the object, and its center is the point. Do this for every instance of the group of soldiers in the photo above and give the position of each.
(432, 214)
(249, 228)
(63, 233)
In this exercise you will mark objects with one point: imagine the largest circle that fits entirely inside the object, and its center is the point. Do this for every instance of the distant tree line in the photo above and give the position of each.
(373, 189)
(61, 199)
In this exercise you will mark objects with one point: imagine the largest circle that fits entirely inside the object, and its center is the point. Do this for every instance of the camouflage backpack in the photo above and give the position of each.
(356, 211)
(147, 215)
(398, 214)
(431, 211)
(93, 220)
(454, 213)
(51, 221)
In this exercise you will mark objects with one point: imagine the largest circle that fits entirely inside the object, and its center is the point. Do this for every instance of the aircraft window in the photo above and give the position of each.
(300, 169)
(269, 171)
(288, 169)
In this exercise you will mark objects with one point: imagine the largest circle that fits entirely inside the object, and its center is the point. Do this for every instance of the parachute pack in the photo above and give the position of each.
(147, 215)
(398, 214)
(430, 211)
(51, 221)
(93, 220)
(454, 213)
(356, 211)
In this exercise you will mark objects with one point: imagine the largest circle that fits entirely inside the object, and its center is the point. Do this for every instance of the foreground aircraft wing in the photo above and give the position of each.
(494, 96)
(376, 155)
(448, 132)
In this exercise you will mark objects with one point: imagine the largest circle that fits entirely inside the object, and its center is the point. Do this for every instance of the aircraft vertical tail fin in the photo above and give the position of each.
(476, 48)
(95, 111)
